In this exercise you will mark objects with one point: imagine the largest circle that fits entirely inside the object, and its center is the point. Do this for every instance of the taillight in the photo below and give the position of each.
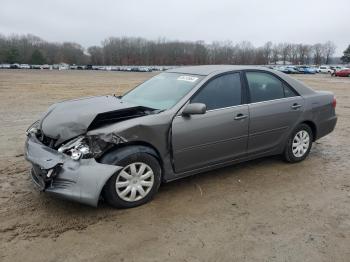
(334, 102)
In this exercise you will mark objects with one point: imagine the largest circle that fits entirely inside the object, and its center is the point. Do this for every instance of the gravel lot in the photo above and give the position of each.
(262, 210)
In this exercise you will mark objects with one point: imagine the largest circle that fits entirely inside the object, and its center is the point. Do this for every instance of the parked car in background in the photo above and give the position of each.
(343, 72)
(179, 123)
(282, 69)
(5, 66)
(24, 66)
(14, 66)
(306, 70)
(336, 69)
(287, 69)
(324, 69)
(101, 67)
(115, 68)
(63, 66)
(46, 66)
(145, 69)
(293, 70)
(35, 66)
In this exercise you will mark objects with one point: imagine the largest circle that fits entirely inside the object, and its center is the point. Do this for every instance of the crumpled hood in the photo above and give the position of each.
(72, 118)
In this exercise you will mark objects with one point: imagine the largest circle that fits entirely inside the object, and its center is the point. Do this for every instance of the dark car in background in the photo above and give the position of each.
(14, 66)
(179, 123)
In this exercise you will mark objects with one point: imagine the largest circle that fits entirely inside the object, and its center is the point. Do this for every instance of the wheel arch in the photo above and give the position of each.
(130, 148)
(313, 127)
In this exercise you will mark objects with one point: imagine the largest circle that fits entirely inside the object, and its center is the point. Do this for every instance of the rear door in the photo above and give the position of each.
(218, 135)
(274, 109)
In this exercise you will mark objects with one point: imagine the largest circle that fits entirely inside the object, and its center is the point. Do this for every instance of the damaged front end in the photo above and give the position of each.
(70, 171)
(66, 144)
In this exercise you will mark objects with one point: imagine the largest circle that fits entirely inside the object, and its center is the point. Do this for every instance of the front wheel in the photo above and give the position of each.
(136, 183)
(299, 144)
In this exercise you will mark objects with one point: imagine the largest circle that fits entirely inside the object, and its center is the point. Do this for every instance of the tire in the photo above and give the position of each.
(130, 181)
(297, 148)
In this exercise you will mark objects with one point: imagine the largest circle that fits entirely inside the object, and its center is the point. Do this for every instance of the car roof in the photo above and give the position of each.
(206, 70)
(210, 69)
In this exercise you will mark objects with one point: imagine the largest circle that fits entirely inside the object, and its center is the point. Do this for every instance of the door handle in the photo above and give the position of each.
(296, 106)
(240, 116)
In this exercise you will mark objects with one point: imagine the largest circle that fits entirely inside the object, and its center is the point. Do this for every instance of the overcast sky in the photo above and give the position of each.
(257, 21)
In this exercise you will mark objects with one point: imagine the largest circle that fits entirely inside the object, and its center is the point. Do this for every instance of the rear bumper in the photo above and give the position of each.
(326, 127)
(58, 174)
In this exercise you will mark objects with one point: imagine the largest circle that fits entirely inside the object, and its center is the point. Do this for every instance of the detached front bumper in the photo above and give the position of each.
(58, 174)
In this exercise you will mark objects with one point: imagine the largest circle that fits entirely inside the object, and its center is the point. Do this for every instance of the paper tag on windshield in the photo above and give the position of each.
(187, 78)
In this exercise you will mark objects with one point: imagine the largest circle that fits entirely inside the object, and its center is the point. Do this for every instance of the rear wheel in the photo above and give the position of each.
(299, 144)
(136, 183)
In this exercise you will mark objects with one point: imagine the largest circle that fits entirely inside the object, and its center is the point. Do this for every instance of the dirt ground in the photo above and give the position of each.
(262, 210)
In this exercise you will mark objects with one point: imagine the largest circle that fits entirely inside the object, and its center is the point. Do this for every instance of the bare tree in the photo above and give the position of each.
(140, 51)
(303, 53)
(267, 50)
(318, 53)
(96, 55)
(329, 50)
(275, 53)
(260, 57)
(294, 54)
(285, 51)
(346, 55)
(245, 53)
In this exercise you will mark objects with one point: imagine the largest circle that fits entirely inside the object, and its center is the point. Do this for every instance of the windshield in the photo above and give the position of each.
(162, 91)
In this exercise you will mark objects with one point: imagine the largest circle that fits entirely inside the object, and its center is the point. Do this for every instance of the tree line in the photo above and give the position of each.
(30, 49)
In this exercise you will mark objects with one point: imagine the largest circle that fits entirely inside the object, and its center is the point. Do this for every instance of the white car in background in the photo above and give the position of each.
(5, 66)
(63, 66)
(24, 66)
(46, 66)
(324, 69)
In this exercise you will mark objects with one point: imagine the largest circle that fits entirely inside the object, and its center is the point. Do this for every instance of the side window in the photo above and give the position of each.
(223, 91)
(264, 86)
(288, 92)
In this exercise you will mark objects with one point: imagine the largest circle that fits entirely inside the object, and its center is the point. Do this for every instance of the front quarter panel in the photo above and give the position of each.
(152, 130)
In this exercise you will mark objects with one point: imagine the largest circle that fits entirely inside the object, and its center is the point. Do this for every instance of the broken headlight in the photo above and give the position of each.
(33, 128)
(90, 146)
(76, 148)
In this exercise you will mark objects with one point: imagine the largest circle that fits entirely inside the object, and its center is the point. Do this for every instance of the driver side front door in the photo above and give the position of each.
(219, 135)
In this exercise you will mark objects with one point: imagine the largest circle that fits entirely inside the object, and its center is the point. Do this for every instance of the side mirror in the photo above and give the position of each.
(194, 109)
